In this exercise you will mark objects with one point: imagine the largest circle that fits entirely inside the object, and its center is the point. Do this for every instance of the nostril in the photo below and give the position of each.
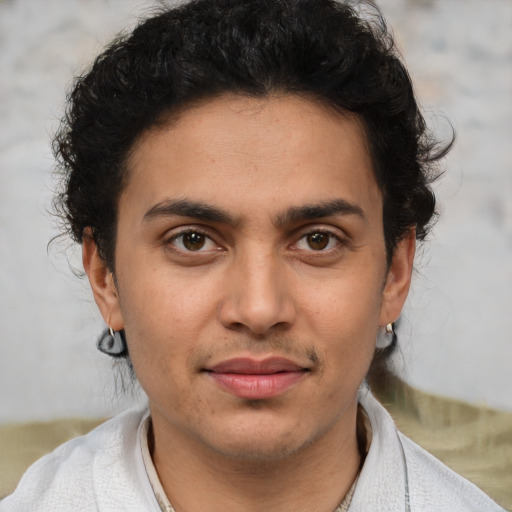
(238, 326)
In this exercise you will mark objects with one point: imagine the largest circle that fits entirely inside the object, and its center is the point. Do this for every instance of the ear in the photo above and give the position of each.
(398, 279)
(102, 283)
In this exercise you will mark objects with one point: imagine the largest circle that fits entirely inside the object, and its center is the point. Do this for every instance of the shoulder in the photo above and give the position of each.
(80, 474)
(432, 484)
(398, 472)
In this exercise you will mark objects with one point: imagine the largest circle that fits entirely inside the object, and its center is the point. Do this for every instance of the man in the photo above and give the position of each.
(248, 180)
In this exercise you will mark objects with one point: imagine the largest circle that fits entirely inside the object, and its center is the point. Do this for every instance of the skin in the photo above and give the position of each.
(265, 279)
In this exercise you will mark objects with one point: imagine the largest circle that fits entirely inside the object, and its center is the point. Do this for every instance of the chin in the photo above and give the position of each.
(262, 442)
(259, 450)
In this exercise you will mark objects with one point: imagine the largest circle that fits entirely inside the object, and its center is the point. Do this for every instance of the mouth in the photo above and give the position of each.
(256, 379)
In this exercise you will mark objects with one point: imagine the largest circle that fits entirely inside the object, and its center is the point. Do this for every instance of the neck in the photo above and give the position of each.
(316, 477)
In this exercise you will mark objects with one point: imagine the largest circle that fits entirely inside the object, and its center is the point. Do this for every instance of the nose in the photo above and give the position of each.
(258, 299)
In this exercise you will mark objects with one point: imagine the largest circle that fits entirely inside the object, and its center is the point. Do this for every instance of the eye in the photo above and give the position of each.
(318, 241)
(193, 241)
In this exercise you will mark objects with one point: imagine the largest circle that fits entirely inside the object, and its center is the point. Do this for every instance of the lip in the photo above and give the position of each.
(256, 379)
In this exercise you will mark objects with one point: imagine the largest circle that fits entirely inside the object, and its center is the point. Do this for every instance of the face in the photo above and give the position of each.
(251, 274)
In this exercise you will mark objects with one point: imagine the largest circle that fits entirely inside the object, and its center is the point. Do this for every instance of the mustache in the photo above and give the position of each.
(276, 345)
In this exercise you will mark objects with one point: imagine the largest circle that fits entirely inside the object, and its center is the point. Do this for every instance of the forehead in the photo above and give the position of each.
(235, 151)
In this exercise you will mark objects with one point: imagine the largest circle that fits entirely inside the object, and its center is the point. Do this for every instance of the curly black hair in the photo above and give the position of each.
(335, 52)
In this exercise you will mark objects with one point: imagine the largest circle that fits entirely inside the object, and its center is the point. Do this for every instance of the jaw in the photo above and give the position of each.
(257, 430)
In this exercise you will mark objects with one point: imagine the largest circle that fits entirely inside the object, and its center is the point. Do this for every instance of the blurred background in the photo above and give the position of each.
(456, 331)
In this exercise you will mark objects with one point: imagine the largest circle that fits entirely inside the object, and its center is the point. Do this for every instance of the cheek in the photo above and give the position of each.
(163, 319)
(349, 305)
(344, 314)
(165, 298)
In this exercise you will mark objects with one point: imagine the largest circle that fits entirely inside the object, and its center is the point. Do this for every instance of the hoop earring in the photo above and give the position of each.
(386, 337)
(113, 343)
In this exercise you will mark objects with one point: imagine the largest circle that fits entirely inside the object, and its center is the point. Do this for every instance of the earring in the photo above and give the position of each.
(387, 336)
(113, 343)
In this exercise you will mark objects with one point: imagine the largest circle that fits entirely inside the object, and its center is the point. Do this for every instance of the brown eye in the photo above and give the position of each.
(318, 241)
(194, 241)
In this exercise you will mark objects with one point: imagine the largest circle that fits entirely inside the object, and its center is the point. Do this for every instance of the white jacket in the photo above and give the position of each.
(104, 471)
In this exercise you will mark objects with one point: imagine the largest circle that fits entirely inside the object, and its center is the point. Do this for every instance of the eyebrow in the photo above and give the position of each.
(293, 215)
(188, 208)
(319, 210)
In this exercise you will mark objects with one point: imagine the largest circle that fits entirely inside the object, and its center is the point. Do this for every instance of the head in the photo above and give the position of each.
(230, 64)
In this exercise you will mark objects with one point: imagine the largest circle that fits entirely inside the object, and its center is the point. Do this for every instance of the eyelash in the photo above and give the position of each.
(170, 242)
(339, 242)
(191, 231)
